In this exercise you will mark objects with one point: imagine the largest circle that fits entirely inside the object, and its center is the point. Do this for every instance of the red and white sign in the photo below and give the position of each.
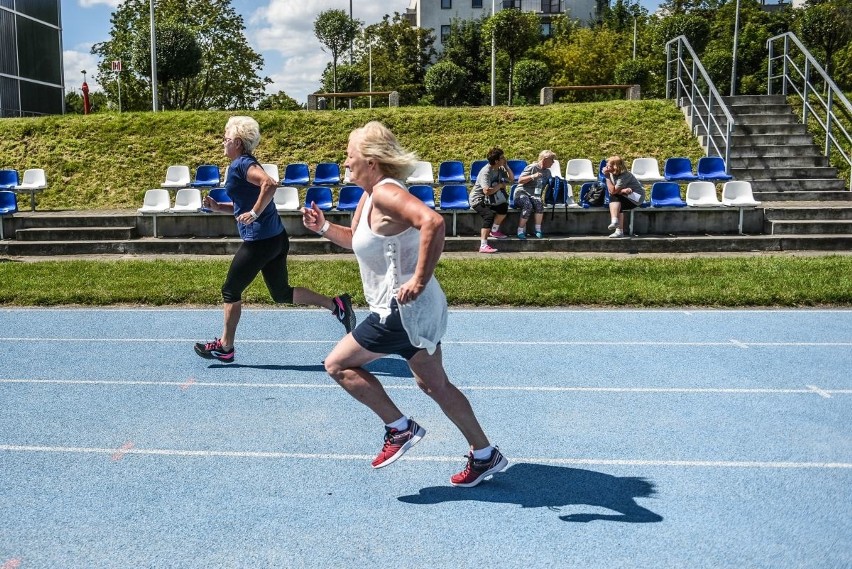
(116, 65)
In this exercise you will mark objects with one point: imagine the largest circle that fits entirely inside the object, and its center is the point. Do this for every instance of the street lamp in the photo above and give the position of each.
(734, 54)
(153, 59)
(493, 62)
(370, 47)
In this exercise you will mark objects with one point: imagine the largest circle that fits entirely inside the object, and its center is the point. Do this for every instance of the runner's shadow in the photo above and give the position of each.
(390, 367)
(554, 487)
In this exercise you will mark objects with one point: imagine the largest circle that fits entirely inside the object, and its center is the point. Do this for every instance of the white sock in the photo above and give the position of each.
(483, 243)
(495, 228)
(400, 424)
(483, 453)
(538, 228)
(614, 220)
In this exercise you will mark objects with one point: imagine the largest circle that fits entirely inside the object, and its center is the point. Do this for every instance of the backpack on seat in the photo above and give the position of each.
(596, 194)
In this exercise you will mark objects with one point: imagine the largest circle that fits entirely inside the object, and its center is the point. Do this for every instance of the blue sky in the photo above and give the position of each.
(280, 30)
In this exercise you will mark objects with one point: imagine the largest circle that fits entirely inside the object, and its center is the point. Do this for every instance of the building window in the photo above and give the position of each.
(516, 4)
(476, 3)
(445, 33)
(546, 30)
(551, 6)
(446, 4)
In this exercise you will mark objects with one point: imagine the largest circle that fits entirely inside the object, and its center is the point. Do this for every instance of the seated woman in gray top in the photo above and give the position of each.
(625, 193)
(530, 192)
(489, 197)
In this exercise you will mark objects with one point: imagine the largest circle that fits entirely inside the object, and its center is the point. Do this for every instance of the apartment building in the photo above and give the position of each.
(438, 14)
(31, 81)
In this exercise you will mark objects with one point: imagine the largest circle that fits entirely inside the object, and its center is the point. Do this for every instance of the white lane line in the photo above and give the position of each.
(808, 390)
(128, 450)
(729, 343)
(820, 392)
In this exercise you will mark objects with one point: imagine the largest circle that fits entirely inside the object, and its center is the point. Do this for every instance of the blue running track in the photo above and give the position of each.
(636, 438)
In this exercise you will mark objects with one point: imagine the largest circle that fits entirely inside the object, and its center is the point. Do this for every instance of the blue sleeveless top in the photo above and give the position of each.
(244, 195)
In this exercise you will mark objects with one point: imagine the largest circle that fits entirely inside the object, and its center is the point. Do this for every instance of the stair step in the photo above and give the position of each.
(737, 100)
(839, 212)
(746, 140)
(105, 218)
(766, 119)
(828, 186)
(802, 151)
(775, 173)
(75, 233)
(799, 227)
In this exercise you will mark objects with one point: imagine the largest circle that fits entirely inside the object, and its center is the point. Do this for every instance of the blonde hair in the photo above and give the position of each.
(375, 141)
(617, 164)
(246, 130)
(545, 154)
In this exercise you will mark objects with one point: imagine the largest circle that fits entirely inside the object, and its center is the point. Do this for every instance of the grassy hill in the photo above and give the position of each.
(109, 160)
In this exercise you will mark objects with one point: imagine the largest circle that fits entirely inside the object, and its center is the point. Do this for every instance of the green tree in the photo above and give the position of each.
(336, 31)
(827, 26)
(280, 101)
(470, 50)
(229, 67)
(444, 82)
(400, 55)
(515, 32)
(590, 58)
(178, 61)
(530, 77)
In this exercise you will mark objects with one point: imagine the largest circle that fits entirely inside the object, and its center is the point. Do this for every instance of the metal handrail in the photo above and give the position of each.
(691, 80)
(809, 91)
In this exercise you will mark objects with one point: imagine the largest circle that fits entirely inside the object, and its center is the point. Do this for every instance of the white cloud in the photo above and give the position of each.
(75, 61)
(90, 3)
(283, 31)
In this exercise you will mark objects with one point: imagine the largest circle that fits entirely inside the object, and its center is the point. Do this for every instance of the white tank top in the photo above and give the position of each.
(387, 261)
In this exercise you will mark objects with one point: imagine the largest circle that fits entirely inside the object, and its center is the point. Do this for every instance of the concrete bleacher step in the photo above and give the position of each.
(769, 173)
(809, 227)
(778, 193)
(75, 233)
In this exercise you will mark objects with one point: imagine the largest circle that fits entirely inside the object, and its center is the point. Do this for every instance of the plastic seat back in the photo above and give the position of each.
(187, 199)
(157, 200)
(327, 174)
(34, 179)
(220, 195)
(712, 169)
(422, 174)
(679, 170)
(475, 167)
(272, 171)
(286, 198)
(738, 193)
(666, 194)
(451, 172)
(455, 196)
(349, 197)
(425, 193)
(8, 179)
(320, 195)
(206, 176)
(646, 170)
(9, 202)
(296, 174)
(516, 166)
(701, 194)
(579, 170)
(177, 176)
(556, 169)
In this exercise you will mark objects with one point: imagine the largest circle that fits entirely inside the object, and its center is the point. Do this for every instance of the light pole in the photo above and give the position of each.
(634, 36)
(493, 62)
(370, 47)
(153, 59)
(734, 54)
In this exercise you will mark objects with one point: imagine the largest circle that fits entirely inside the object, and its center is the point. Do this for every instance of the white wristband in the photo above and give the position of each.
(324, 228)
(252, 214)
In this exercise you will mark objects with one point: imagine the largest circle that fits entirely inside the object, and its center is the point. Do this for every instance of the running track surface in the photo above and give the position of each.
(635, 438)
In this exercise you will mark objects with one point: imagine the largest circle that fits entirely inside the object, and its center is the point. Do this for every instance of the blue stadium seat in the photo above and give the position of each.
(8, 179)
(8, 204)
(425, 193)
(206, 176)
(666, 194)
(475, 167)
(679, 170)
(219, 195)
(601, 165)
(454, 198)
(516, 166)
(327, 174)
(349, 197)
(451, 172)
(712, 169)
(296, 174)
(320, 195)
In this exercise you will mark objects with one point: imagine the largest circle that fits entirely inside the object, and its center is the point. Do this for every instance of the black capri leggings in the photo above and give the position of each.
(268, 256)
(489, 212)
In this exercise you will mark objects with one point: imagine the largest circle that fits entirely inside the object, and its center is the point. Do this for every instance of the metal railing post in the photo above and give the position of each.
(828, 123)
(786, 67)
(806, 84)
(770, 45)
